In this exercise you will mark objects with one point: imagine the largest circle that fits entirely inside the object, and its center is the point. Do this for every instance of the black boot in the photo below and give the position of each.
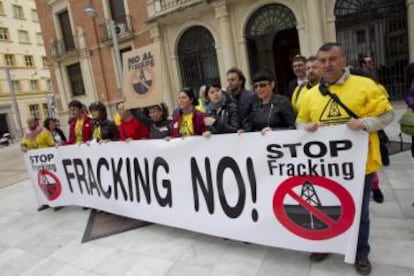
(378, 196)
(43, 207)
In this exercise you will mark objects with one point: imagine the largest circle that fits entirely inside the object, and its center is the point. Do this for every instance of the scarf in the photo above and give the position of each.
(216, 106)
(32, 134)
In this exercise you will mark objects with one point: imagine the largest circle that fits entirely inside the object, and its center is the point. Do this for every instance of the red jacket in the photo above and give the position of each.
(86, 130)
(133, 129)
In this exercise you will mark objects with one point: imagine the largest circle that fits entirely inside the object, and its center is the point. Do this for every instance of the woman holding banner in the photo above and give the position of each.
(272, 111)
(187, 121)
(222, 112)
(129, 127)
(103, 129)
(160, 124)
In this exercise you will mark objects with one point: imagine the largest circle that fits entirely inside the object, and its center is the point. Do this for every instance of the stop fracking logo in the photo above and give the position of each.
(305, 215)
(49, 184)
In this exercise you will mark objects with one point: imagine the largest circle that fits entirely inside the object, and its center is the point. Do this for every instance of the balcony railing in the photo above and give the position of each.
(123, 26)
(169, 4)
(63, 47)
(157, 7)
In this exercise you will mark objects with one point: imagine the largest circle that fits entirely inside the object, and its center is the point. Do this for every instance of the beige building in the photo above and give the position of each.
(202, 39)
(22, 53)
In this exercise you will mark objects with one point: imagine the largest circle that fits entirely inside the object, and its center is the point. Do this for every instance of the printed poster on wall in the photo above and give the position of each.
(142, 76)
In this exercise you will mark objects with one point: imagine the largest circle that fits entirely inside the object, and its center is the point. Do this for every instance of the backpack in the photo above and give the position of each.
(407, 122)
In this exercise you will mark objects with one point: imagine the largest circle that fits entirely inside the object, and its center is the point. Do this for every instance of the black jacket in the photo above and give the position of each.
(227, 118)
(277, 114)
(291, 87)
(244, 100)
(160, 130)
(109, 131)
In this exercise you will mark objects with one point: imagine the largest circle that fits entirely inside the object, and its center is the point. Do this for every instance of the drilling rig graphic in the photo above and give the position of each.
(305, 218)
(143, 85)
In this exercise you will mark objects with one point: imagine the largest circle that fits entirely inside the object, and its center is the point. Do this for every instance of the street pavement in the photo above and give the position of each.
(12, 168)
(49, 243)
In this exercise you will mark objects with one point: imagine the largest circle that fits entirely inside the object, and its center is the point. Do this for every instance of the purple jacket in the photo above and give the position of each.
(198, 123)
(409, 99)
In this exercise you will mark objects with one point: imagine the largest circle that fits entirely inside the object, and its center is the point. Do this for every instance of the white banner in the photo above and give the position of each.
(290, 189)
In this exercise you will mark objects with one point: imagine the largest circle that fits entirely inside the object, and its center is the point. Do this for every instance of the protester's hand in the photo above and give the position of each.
(128, 140)
(207, 134)
(240, 131)
(209, 121)
(24, 149)
(312, 126)
(104, 141)
(356, 124)
(168, 138)
(264, 130)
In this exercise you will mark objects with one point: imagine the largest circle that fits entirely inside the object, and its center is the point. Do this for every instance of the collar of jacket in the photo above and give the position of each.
(341, 80)
(101, 122)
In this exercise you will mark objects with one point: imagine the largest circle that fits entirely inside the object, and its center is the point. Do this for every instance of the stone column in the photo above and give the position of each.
(225, 35)
(410, 21)
(166, 87)
(315, 24)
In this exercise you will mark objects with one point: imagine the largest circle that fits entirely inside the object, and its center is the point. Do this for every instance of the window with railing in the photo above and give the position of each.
(1, 8)
(44, 62)
(18, 12)
(24, 37)
(34, 110)
(35, 16)
(49, 85)
(75, 79)
(16, 85)
(9, 60)
(34, 85)
(4, 34)
(45, 110)
(39, 38)
(28, 61)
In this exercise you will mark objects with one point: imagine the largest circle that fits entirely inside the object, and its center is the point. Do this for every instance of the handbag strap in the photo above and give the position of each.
(325, 91)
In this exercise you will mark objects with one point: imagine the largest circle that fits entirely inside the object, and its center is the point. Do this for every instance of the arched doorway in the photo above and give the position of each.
(197, 58)
(272, 41)
(379, 29)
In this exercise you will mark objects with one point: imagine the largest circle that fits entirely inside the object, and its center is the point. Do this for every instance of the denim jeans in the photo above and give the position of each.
(363, 247)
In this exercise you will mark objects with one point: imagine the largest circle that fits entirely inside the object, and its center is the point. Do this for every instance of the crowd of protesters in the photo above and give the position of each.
(320, 80)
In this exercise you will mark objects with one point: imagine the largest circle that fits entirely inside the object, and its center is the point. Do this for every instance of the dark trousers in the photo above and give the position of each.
(363, 247)
(412, 146)
(383, 139)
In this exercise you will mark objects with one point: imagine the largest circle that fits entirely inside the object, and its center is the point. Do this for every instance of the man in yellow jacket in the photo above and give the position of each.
(313, 75)
(36, 136)
(371, 111)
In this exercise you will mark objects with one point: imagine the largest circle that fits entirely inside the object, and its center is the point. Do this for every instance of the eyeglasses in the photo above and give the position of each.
(260, 84)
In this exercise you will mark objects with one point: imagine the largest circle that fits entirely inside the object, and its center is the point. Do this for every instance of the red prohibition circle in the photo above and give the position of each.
(50, 191)
(335, 227)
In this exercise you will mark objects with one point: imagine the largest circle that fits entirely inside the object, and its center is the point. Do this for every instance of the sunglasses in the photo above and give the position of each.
(260, 84)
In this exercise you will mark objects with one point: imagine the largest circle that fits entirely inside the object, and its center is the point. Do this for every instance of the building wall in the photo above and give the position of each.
(315, 24)
(95, 55)
(237, 14)
(225, 19)
(26, 95)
